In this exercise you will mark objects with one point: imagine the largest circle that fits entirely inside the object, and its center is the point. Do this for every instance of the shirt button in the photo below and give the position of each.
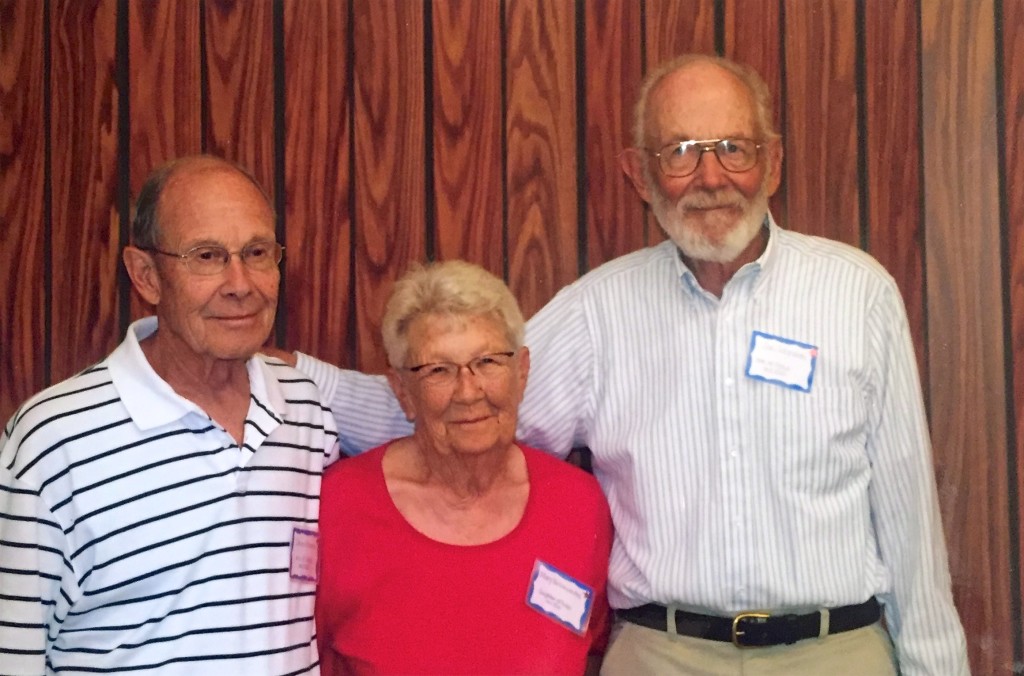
(729, 381)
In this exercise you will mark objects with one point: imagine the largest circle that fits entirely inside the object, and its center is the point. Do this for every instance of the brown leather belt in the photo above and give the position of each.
(755, 629)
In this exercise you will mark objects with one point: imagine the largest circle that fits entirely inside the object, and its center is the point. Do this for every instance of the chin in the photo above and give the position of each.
(716, 238)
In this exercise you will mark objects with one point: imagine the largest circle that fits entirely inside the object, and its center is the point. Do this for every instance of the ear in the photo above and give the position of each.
(143, 273)
(524, 369)
(405, 399)
(774, 158)
(632, 160)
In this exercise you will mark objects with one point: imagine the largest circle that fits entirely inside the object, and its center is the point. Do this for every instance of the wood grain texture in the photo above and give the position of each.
(85, 257)
(318, 221)
(1013, 169)
(965, 318)
(240, 85)
(22, 212)
(753, 36)
(541, 132)
(389, 182)
(892, 152)
(467, 131)
(164, 93)
(820, 136)
(614, 212)
(675, 27)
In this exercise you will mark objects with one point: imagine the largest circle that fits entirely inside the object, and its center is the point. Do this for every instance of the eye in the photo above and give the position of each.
(208, 254)
(730, 147)
(258, 251)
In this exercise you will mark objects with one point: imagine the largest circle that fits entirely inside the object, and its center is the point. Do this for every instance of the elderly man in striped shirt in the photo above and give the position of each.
(751, 400)
(158, 511)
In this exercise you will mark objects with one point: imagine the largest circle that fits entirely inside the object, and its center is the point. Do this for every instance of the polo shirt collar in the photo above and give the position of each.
(152, 403)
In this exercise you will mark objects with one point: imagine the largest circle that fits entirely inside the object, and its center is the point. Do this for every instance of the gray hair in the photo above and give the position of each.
(455, 288)
(146, 221)
(759, 92)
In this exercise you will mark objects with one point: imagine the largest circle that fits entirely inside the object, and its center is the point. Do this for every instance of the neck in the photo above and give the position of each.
(713, 276)
(218, 386)
(465, 477)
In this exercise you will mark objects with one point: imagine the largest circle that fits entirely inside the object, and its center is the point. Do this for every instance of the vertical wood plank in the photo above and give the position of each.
(675, 27)
(22, 203)
(820, 138)
(965, 319)
(164, 91)
(389, 137)
(612, 74)
(467, 123)
(892, 152)
(318, 237)
(541, 132)
(1013, 169)
(240, 80)
(753, 37)
(85, 258)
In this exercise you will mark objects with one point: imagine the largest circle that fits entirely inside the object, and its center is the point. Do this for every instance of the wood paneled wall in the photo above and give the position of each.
(392, 131)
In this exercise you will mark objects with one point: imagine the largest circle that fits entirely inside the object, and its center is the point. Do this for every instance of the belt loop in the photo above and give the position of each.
(823, 630)
(670, 620)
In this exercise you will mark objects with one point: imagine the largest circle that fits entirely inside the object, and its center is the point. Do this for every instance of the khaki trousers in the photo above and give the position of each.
(635, 651)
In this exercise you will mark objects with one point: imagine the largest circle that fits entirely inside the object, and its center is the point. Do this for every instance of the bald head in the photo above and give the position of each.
(146, 228)
(701, 71)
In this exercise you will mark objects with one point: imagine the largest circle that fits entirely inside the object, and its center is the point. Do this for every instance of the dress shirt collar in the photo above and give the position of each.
(752, 269)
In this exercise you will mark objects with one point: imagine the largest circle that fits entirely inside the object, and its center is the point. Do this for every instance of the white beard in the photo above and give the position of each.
(716, 237)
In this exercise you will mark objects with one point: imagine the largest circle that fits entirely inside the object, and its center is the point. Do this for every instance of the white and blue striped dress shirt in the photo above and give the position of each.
(730, 493)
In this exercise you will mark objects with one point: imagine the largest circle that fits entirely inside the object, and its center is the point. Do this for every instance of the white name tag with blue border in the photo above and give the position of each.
(304, 555)
(781, 361)
(560, 597)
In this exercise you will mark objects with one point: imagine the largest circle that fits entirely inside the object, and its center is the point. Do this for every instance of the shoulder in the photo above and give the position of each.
(639, 266)
(294, 383)
(798, 249)
(550, 472)
(84, 402)
(356, 469)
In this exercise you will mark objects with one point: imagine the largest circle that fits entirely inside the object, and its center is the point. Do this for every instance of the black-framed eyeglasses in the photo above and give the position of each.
(681, 158)
(442, 373)
(211, 259)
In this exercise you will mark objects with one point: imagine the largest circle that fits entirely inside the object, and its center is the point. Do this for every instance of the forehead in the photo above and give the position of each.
(699, 101)
(216, 204)
(446, 336)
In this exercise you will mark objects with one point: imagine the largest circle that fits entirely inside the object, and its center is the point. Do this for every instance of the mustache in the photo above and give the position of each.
(712, 200)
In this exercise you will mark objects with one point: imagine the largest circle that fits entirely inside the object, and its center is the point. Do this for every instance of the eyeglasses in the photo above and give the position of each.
(681, 158)
(211, 259)
(443, 373)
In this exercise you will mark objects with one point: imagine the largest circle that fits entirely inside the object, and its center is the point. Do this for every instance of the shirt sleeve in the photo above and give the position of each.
(33, 566)
(920, 614)
(558, 405)
(364, 407)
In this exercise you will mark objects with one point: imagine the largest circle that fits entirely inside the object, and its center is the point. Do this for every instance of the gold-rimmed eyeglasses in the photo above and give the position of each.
(680, 158)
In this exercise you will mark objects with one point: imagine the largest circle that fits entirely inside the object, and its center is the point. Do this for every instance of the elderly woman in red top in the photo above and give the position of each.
(457, 550)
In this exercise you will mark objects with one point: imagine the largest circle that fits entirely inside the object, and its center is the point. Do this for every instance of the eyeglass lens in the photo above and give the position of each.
(486, 366)
(208, 260)
(682, 158)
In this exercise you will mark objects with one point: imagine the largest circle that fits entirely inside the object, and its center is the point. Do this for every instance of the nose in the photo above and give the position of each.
(709, 172)
(467, 384)
(237, 280)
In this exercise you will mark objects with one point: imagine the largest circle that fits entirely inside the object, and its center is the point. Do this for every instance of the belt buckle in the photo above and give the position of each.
(738, 632)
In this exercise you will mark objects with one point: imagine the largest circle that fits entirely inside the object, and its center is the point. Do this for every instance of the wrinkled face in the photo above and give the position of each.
(225, 316)
(712, 214)
(475, 413)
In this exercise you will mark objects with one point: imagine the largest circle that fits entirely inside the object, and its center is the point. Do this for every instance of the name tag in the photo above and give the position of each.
(560, 597)
(781, 361)
(304, 563)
